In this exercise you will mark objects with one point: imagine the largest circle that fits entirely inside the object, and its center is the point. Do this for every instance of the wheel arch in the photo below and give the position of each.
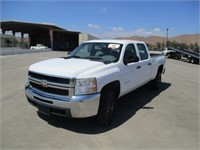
(114, 85)
(160, 69)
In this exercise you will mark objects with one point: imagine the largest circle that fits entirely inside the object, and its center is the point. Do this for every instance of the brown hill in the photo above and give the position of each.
(185, 38)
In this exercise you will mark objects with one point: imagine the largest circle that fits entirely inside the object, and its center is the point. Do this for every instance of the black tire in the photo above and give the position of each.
(192, 61)
(106, 107)
(188, 60)
(155, 83)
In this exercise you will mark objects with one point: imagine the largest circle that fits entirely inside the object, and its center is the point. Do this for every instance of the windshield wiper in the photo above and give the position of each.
(93, 58)
(72, 57)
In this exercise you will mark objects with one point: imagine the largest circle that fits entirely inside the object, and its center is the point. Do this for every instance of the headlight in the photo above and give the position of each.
(85, 86)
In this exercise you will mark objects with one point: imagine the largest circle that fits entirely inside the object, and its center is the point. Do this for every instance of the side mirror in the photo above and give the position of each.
(131, 59)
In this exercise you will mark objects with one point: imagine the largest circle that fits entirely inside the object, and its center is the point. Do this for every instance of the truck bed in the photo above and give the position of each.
(155, 54)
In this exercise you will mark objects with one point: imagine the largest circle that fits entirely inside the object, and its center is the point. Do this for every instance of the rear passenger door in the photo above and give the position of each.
(145, 63)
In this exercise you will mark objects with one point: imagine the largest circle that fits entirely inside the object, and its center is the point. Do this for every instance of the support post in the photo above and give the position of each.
(167, 38)
(22, 39)
(14, 42)
(3, 31)
(51, 38)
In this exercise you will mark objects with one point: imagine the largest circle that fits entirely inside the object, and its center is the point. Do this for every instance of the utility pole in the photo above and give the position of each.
(167, 38)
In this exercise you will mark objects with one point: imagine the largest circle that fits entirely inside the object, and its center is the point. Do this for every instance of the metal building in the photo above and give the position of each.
(49, 35)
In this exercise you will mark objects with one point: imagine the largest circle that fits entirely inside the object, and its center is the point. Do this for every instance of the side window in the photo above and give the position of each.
(143, 51)
(130, 51)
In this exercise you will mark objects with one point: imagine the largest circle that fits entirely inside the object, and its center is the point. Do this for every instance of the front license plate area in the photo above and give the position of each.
(44, 110)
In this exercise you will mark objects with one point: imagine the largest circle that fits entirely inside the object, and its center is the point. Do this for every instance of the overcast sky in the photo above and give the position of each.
(108, 19)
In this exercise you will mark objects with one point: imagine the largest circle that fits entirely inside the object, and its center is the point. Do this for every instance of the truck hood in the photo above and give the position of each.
(65, 67)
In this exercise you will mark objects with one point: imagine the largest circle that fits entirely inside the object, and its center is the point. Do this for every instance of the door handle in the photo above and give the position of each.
(149, 64)
(138, 67)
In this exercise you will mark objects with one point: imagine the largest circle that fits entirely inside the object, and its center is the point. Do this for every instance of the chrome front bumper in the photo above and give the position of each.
(75, 106)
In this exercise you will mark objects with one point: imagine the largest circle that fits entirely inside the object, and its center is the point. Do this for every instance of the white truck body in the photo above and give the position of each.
(39, 46)
(87, 78)
(167, 50)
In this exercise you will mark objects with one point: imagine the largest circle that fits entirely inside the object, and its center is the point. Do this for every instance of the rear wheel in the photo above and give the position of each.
(106, 107)
(192, 60)
(188, 60)
(168, 55)
(155, 83)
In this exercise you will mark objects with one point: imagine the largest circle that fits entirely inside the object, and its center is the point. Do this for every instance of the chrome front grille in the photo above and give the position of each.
(51, 85)
(48, 78)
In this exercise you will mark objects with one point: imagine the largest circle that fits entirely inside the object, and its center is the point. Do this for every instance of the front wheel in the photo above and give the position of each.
(106, 107)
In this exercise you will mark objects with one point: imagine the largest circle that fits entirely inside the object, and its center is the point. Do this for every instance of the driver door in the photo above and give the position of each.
(130, 71)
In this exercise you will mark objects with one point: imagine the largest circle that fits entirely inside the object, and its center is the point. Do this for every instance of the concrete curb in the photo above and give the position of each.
(22, 51)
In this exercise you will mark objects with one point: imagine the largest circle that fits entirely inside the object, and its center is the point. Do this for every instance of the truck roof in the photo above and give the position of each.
(121, 41)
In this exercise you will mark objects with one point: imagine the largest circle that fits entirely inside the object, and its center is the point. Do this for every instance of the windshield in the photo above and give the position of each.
(105, 52)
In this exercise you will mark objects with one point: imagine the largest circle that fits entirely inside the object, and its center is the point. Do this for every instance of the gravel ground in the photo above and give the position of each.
(144, 119)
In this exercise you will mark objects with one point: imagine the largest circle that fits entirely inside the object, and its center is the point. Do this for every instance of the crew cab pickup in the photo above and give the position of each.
(88, 81)
(39, 46)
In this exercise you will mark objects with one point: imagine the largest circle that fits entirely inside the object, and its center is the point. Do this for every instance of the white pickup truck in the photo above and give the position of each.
(39, 46)
(89, 80)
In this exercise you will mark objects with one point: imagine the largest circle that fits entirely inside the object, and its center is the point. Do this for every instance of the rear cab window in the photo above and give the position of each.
(142, 51)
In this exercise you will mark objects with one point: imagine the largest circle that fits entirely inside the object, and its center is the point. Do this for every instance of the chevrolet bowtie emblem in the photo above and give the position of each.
(44, 83)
